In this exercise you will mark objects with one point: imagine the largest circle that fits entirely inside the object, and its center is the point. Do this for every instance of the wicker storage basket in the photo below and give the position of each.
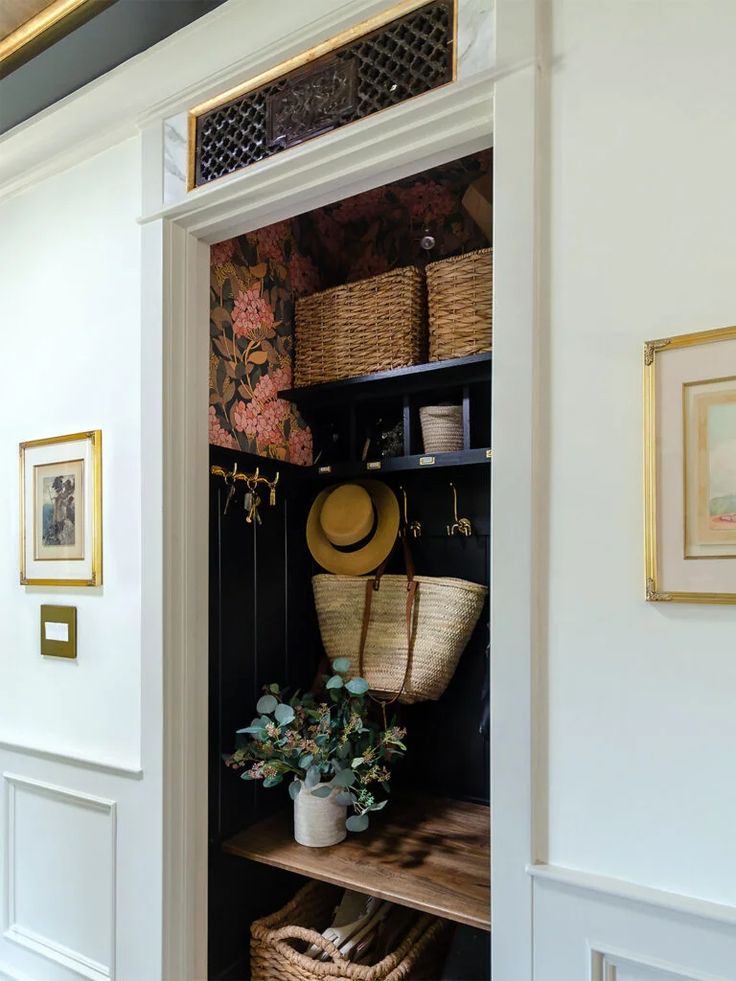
(359, 328)
(445, 614)
(274, 957)
(442, 428)
(460, 291)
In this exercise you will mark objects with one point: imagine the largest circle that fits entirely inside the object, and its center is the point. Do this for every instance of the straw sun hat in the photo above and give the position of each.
(352, 527)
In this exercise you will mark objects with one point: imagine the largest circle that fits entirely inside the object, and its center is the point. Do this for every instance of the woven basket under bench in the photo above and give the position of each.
(460, 293)
(359, 328)
(277, 941)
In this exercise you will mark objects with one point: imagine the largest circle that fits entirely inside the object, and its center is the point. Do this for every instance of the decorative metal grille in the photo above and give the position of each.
(402, 59)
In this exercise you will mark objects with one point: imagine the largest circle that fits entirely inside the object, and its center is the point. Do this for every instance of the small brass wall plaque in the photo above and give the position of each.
(59, 631)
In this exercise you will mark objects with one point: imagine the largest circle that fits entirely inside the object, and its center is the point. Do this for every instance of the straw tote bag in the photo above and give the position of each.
(403, 634)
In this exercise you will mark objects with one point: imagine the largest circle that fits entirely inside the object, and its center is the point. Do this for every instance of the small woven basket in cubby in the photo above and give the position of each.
(278, 943)
(442, 428)
(360, 328)
(460, 293)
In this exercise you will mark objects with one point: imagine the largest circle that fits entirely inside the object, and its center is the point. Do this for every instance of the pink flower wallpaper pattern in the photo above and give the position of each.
(254, 281)
(256, 278)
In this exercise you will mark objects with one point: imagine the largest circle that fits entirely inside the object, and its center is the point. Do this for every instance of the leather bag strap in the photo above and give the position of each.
(372, 586)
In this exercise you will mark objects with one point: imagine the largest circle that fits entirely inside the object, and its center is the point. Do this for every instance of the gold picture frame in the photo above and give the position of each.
(681, 373)
(61, 510)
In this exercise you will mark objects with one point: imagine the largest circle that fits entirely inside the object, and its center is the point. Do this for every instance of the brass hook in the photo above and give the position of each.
(461, 525)
(413, 528)
(406, 519)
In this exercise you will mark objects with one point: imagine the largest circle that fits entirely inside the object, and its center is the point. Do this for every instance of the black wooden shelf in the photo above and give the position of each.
(394, 464)
(399, 381)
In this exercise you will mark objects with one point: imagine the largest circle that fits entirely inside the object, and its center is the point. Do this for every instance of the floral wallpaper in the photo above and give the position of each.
(254, 282)
(256, 278)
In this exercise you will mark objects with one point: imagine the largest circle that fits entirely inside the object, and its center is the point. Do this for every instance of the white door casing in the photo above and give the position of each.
(443, 125)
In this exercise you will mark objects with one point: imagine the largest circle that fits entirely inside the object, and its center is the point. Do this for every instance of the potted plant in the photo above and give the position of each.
(336, 756)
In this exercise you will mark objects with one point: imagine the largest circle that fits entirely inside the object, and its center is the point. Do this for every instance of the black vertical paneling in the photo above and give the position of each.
(259, 596)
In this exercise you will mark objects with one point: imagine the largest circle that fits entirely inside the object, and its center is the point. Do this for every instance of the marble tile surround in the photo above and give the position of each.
(475, 37)
(175, 158)
(475, 54)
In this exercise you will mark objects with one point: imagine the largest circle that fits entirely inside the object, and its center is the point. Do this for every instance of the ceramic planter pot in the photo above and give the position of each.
(318, 821)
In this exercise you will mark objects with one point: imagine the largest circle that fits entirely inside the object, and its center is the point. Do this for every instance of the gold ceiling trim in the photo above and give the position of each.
(33, 28)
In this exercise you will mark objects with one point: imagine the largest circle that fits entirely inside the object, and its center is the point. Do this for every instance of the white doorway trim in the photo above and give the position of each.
(436, 128)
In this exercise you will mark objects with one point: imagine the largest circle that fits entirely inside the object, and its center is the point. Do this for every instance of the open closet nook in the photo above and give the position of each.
(350, 454)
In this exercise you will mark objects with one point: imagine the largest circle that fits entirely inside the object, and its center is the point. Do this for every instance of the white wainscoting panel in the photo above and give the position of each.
(60, 856)
(587, 934)
(626, 966)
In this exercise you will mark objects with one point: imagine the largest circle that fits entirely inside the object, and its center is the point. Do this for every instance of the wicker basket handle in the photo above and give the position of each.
(374, 585)
(311, 937)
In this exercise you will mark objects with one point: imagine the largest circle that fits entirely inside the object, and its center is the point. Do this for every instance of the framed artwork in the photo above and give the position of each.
(61, 510)
(690, 467)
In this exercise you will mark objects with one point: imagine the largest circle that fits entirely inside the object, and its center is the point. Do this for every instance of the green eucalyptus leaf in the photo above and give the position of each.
(312, 778)
(305, 761)
(324, 791)
(380, 806)
(274, 688)
(341, 664)
(266, 704)
(250, 730)
(345, 798)
(345, 778)
(284, 714)
(357, 686)
(334, 682)
(273, 781)
(247, 775)
(356, 762)
(357, 822)
(295, 788)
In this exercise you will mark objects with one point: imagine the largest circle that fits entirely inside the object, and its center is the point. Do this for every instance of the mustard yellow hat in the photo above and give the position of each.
(352, 527)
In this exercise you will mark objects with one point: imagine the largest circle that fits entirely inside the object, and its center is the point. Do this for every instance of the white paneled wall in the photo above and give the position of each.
(640, 697)
(60, 874)
(80, 814)
(586, 934)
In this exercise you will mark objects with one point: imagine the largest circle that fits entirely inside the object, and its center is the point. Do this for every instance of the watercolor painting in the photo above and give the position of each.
(717, 466)
(58, 518)
(59, 510)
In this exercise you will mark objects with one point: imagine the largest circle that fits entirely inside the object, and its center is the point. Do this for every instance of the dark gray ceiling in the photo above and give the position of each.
(118, 32)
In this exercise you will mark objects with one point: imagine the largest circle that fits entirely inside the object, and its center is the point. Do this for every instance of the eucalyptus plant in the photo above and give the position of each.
(326, 744)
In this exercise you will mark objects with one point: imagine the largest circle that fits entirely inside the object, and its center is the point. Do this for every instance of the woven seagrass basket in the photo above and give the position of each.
(359, 328)
(445, 614)
(442, 428)
(277, 942)
(460, 292)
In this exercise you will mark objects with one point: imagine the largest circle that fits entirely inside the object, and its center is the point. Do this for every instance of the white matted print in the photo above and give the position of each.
(61, 510)
(690, 467)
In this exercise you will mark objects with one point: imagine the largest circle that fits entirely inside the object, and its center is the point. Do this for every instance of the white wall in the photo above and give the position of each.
(70, 315)
(80, 823)
(83, 302)
(642, 697)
